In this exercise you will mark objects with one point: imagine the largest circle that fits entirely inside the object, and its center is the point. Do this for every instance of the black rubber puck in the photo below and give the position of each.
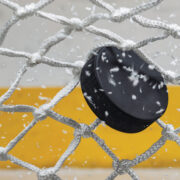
(123, 90)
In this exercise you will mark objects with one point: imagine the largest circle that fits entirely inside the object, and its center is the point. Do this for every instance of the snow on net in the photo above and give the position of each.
(81, 130)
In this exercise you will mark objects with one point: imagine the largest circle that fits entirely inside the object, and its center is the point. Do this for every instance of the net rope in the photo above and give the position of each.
(120, 166)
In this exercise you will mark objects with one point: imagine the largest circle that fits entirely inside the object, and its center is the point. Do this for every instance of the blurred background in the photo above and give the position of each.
(46, 142)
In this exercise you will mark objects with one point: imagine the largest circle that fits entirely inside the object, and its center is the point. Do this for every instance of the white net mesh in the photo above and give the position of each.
(81, 130)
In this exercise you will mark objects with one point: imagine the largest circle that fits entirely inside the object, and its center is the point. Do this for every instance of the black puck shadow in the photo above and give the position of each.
(123, 90)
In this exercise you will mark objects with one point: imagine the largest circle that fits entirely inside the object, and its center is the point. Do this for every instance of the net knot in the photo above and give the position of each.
(77, 24)
(35, 59)
(40, 113)
(3, 155)
(119, 14)
(80, 64)
(121, 166)
(175, 31)
(169, 132)
(127, 45)
(47, 174)
(84, 130)
(25, 11)
(76, 71)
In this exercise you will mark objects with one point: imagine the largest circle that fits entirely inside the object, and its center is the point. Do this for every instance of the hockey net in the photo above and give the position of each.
(44, 111)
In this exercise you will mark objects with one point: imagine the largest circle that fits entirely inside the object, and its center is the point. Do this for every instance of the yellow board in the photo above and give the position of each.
(46, 142)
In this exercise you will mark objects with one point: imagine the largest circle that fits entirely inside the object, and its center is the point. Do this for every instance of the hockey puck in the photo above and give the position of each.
(123, 90)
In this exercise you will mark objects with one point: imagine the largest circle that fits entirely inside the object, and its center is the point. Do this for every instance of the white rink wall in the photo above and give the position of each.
(28, 35)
